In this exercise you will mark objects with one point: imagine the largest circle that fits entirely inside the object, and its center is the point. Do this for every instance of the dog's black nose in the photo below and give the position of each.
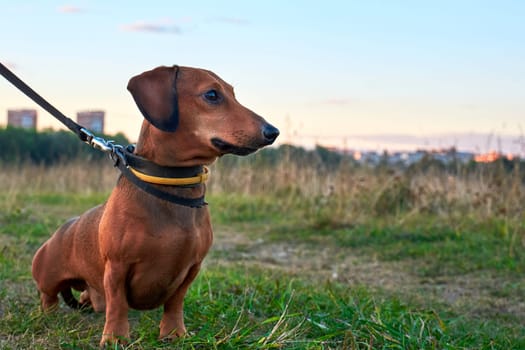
(270, 133)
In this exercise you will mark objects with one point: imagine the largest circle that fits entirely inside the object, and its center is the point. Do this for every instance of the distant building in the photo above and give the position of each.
(92, 120)
(22, 118)
(490, 157)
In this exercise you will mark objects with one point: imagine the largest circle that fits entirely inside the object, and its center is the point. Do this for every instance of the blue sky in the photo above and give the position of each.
(332, 72)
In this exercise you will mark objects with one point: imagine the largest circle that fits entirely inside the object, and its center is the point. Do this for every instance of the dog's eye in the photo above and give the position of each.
(212, 96)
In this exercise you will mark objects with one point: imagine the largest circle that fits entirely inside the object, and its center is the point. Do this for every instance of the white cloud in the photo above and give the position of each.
(151, 27)
(70, 9)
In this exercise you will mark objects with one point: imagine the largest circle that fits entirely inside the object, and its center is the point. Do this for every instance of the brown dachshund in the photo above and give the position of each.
(137, 250)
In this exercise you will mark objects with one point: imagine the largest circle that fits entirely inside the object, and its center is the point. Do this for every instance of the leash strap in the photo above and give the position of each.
(20, 85)
(116, 151)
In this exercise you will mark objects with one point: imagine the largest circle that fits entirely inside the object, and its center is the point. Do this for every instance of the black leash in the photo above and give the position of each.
(20, 85)
(117, 152)
(84, 134)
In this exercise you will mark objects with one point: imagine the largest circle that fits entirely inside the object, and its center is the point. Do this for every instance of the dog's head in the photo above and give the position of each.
(194, 114)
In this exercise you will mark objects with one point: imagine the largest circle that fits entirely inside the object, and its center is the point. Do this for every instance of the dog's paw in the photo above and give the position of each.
(173, 335)
(111, 341)
(48, 303)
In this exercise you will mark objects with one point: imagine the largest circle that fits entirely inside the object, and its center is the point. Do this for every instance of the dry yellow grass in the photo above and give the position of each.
(342, 196)
(76, 177)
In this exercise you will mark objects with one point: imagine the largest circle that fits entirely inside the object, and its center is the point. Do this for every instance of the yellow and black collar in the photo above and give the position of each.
(144, 173)
(153, 173)
(173, 181)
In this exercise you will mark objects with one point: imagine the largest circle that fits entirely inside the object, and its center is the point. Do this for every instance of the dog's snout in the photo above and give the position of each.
(270, 133)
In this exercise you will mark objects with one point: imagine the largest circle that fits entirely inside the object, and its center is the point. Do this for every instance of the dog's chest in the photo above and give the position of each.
(161, 272)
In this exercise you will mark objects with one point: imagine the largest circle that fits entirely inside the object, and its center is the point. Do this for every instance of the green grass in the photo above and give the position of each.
(285, 272)
(441, 247)
(231, 307)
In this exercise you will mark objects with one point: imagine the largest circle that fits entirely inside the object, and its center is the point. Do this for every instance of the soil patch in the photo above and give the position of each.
(474, 294)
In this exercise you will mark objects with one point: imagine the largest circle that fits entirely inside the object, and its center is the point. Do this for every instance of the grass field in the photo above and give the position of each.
(303, 258)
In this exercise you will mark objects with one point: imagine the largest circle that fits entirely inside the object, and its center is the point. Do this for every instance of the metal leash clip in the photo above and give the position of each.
(117, 154)
(97, 142)
(116, 151)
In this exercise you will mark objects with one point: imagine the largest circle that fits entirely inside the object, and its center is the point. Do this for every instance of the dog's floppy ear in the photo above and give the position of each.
(155, 93)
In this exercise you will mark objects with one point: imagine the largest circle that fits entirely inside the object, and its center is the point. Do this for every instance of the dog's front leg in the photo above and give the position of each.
(116, 328)
(172, 324)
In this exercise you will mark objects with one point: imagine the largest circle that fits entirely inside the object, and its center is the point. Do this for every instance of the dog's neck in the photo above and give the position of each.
(169, 149)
